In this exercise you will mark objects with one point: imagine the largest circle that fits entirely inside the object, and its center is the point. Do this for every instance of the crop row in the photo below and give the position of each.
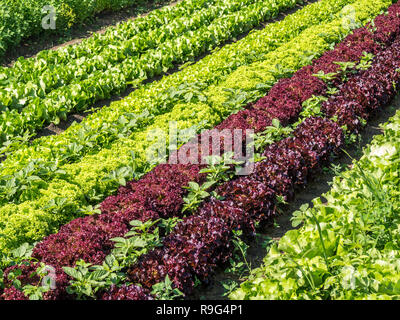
(160, 193)
(356, 255)
(50, 204)
(99, 81)
(21, 19)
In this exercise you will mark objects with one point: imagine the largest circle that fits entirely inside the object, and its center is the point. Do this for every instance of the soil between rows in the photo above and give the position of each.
(319, 185)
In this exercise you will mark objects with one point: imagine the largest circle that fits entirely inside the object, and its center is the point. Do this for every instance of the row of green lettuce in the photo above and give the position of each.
(132, 37)
(26, 70)
(28, 107)
(21, 19)
(38, 207)
(348, 247)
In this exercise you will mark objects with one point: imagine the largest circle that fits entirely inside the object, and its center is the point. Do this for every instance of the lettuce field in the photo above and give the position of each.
(201, 149)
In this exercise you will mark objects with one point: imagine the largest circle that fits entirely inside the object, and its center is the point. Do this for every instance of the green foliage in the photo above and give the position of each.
(346, 68)
(165, 291)
(229, 286)
(270, 135)
(365, 62)
(238, 262)
(219, 170)
(137, 241)
(36, 292)
(87, 283)
(22, 256)
(18, 256)
(326, 77)
(89, 279)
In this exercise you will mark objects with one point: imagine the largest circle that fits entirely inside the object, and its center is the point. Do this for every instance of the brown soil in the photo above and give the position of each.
(281, 224)
(78, 117)
(98, 24)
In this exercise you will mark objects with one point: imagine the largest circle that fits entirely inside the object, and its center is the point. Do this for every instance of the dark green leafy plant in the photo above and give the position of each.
(165, 291)
(219, 170)
(238, 263)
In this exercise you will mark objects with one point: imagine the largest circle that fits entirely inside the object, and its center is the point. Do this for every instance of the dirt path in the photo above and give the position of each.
(98, 24)
(319, 185)
(78, 117)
